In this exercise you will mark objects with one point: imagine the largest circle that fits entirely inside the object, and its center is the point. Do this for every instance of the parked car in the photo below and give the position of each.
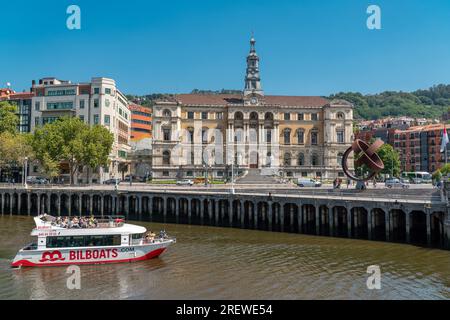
(185, 182)
(135, 179)
(308, 183)
(396, 183)
(37, 180)
(112, 181)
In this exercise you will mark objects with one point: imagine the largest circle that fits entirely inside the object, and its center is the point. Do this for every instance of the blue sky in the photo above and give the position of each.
(307, 47)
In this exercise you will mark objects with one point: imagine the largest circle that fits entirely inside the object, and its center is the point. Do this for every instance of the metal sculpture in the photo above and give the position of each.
(366, 154)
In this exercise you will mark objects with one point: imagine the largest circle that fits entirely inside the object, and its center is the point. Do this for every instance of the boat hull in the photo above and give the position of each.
(89, 255)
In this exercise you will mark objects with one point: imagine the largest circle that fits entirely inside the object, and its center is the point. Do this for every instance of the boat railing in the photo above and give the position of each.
(87, 222)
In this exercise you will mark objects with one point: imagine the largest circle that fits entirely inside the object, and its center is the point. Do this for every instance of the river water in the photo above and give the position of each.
(224, 263)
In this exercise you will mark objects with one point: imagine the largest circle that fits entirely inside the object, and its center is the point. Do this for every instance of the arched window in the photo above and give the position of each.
(268, 116)
(287, 159)
(300, 136)
(301, 159)
(254, 116)
(190, 136)
(314, 137)
(339, 158)
(340, 116)
(287, 136)
(340, 135)
(314, 160)
(238, 116)
(166, 157)
(167, 113)
(204, 135)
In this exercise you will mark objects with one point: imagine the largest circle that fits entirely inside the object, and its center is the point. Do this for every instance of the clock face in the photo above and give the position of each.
(254, 100)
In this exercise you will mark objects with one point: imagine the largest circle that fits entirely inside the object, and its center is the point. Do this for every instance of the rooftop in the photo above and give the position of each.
(230, 99)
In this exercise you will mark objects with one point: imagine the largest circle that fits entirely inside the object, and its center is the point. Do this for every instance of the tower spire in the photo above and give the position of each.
(252, 78)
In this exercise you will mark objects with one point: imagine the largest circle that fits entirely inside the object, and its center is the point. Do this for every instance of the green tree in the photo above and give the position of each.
(60, 141)
(72, 141)
(8, 117)
(14, 148)
(96, 148)
(391, 160)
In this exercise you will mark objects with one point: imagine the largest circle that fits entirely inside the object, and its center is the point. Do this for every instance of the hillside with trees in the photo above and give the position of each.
(428, 103)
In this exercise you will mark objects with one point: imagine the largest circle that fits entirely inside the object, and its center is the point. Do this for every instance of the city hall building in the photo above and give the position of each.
(198, 135)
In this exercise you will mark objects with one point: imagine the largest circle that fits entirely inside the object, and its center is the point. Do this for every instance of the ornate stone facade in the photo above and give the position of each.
(293, 136)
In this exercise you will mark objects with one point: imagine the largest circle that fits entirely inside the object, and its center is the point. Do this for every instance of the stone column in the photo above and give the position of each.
(336, 221)
(11, 205)
(177, 210)
(91, 204)
(28, 204)
(277, 216)
(127, 206)
(428, 218)
(38, 203)
(331, 220)
(19, 204)
(216, 212)
(230, 212)
(202, 210)
(387, 223)
(2, 198)
(102, 205)
(58, 203)
(165, 209)
(189, 201)
(150, 207)
(69, 207)
(317, 207)
(255, 214)
(291, 216)
(210, 210)
(47, 204)
(408, 226)
(270, 215)
(242, 213)
(369, 223)
(300, 218)
(349, 221)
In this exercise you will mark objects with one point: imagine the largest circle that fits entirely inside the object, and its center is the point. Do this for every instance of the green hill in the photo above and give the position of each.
(429, 103)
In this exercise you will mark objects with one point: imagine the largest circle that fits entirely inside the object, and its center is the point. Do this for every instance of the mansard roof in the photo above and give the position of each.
(230, 99)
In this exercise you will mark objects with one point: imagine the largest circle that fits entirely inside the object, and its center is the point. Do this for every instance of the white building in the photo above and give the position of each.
(95, 102)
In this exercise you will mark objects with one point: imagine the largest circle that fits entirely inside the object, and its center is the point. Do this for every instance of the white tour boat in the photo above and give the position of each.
(67, 241)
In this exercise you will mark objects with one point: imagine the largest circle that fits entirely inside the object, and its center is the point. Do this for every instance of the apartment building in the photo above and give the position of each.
(98, 102)
(141, 122)
(419, 148)
(22, 100)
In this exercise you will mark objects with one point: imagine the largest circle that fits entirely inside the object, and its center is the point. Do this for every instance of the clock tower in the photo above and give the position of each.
(253, 92)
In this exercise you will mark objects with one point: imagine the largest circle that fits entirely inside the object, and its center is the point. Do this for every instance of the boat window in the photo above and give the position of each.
(135, 236)
(83, 241)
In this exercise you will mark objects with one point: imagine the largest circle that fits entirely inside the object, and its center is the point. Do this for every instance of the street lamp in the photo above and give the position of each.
(25, 173)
